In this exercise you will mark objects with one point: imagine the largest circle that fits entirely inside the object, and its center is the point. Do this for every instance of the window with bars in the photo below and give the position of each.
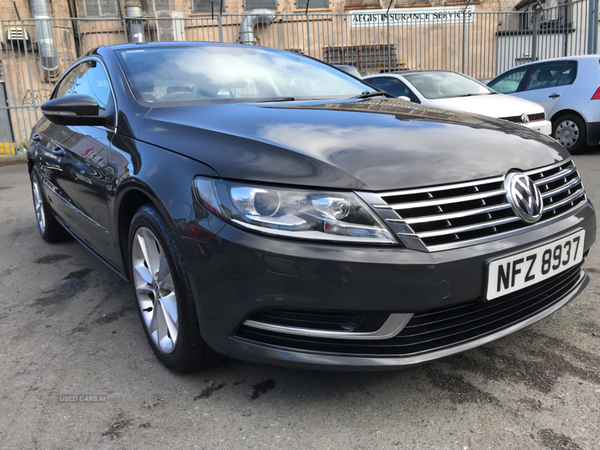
(150, 7)
(204, 6)
(96, 8)
(249, 5)
(301, 4)
(362, 3)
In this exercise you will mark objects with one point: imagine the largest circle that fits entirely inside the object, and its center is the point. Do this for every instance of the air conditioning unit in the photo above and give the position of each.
(170, 26)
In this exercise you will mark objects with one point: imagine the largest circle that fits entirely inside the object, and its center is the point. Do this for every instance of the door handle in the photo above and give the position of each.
(553, 96)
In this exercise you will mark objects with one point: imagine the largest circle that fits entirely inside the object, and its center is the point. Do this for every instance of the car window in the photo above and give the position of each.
(545, 76)
(508, 82)
(393, 86)
(569, 73)
(220, 73)
(66, 83)
(91, 80)
(434, 85)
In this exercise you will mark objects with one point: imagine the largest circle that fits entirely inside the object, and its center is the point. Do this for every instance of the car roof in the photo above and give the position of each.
(562, 58)
(131, 46)
(411, 72)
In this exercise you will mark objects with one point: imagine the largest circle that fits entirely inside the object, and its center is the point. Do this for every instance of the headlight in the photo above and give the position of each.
(331, 216)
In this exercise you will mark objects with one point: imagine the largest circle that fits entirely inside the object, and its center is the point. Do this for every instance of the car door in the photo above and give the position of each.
(84, 178)
(50, 155)
(393, 86)
(548, 83)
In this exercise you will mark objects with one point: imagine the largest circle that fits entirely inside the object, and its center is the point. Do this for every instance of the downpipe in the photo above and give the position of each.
(133, 12)
(255, 17)
(49, 58)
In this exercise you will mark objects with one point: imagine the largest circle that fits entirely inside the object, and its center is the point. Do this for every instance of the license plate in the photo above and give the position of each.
(524, 269)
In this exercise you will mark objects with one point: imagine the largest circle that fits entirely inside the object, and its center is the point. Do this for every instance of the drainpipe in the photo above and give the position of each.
(49, 59)
(133, 11)
(251, 20)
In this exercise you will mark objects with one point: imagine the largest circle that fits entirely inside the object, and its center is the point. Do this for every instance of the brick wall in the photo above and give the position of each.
(60, 8)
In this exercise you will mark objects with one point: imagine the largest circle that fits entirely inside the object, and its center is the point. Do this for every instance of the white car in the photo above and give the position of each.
(451, 90)
(568, 89)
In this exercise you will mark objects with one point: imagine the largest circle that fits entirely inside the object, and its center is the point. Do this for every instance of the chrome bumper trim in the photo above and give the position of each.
(392, 326)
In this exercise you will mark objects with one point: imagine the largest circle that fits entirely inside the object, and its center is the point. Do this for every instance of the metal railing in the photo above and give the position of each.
(479, 44)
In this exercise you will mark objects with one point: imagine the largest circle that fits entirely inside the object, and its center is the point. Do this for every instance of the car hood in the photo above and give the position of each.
(495, 105)
(374, 144)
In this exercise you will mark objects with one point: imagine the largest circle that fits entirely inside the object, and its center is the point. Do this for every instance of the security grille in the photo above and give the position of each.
(151, 7)
(301, 4)
(208, 6)
(97, 8)
(249, 5)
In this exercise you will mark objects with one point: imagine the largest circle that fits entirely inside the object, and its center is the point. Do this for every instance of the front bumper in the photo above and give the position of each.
(231, 282)
(593, 133)
(543, 126)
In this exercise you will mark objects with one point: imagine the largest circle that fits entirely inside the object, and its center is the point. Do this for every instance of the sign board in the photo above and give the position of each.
(412, 16)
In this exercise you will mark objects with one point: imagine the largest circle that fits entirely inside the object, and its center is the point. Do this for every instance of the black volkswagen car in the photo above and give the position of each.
(269, 207)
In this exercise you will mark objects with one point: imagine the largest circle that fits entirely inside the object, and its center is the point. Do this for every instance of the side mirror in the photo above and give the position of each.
(405, 98)
(74, 110)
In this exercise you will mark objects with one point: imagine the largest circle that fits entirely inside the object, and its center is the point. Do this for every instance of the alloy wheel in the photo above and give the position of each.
(38, 204)
(155, 290)
(567, 133)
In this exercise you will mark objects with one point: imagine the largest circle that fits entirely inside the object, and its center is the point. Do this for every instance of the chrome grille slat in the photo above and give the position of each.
(442, 187)
(456, 215)
(565, 187)
(564, 162)
(562, 174)
(446, 201)
(564, 202)
(456, 230)
(469, 212)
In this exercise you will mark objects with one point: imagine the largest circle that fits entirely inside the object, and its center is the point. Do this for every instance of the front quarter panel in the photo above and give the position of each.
(166, 179)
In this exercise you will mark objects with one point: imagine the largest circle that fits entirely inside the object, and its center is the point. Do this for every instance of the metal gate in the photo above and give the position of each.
(480, 44)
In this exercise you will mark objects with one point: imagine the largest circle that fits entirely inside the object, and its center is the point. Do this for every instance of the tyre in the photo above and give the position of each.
(50, 229)
(570, 131)
(163, 294)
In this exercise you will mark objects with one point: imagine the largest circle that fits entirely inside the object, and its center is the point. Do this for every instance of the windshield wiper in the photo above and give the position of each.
(367, 94)
(278, 99)
(471, 95)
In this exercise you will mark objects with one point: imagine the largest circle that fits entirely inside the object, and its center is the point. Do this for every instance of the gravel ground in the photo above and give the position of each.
(70, 328)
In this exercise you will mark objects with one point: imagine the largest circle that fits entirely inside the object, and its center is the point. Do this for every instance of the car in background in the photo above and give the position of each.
(568, 89)
(451, 90)
(350, 70)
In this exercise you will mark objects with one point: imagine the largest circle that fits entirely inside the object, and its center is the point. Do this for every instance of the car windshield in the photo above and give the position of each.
(434, 85)
(220, 74)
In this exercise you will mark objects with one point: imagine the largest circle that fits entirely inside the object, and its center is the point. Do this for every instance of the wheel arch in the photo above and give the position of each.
(562, 112)
(129, 199)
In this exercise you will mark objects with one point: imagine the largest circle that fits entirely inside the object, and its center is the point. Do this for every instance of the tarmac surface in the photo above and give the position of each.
(69, 328)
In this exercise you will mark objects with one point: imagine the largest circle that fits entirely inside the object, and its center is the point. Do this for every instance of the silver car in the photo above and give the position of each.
(568, 89)
(452, 90)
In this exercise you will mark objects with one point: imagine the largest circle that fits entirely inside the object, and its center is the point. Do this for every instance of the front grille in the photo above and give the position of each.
(532, 118)
(460, 214)
(439, 329)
